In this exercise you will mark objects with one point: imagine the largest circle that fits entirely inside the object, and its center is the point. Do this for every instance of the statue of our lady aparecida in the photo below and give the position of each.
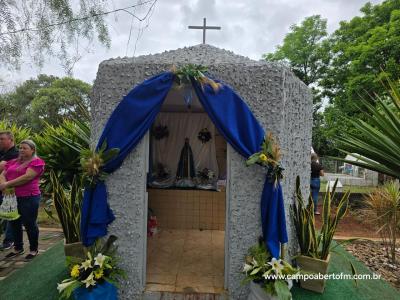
(186, 171)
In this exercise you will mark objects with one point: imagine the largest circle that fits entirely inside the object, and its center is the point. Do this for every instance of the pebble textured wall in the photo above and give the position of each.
(281, 103)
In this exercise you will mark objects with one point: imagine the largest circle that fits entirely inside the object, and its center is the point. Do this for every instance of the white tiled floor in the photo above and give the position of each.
(186, 261)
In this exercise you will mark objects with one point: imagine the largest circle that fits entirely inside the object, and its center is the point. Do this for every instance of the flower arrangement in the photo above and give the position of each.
(205, 176)
(188, 72)
(159, 132)
(92, 162)
(259, 267)
(268, 157)
(99, 267)
(204, 135)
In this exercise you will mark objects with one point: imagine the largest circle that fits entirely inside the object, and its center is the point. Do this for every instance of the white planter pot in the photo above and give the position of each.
(258, 293)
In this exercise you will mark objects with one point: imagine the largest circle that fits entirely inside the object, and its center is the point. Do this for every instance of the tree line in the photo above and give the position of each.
(342, 68)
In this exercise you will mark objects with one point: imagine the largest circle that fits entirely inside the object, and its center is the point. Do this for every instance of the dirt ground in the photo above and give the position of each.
(351, 225)
(371, 252)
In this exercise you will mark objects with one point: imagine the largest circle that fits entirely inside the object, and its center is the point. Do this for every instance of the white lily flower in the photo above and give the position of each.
(63, 285)
(254, 262)
(247, 268)
(277, 265)
(99, 260)
(89, 280)
(290, 283)
(87, 264)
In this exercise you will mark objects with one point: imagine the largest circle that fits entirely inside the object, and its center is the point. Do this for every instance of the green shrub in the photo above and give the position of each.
(383, 211)
(60, 148)
(20, 133)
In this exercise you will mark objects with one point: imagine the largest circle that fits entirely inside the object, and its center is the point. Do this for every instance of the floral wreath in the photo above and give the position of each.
(204, 135)
(268, 157)
(159, 132)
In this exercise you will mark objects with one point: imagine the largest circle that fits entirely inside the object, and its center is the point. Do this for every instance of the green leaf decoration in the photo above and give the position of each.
(253, 159)
(189, 72)
(282, 290)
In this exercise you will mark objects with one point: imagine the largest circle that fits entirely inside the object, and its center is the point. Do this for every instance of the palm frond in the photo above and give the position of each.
(376, 144)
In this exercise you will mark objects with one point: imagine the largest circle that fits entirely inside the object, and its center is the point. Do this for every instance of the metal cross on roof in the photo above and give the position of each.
(204, 27)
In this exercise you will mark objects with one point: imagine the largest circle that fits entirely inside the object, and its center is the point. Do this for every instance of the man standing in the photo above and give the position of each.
(8, 151)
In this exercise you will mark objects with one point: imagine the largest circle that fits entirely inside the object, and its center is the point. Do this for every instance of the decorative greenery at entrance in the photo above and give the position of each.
(188, 72)
(268, 157)
(92, 162)
(100, 266)
(259, 265)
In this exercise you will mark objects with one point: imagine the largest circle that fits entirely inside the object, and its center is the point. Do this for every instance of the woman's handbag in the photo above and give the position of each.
(9, 206)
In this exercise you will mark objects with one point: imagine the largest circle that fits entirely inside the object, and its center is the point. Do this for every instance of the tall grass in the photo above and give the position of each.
(68, 204)
(312, 243)
(383, 209)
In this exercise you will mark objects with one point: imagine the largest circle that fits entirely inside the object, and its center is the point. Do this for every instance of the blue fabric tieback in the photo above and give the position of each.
(273, 217)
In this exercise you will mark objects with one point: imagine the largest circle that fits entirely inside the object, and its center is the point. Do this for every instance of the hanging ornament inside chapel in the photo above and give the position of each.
(204, 135)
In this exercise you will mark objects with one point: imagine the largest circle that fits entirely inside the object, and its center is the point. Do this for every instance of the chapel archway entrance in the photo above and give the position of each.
(186, 188)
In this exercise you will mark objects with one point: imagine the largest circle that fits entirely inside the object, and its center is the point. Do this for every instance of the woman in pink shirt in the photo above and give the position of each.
(23, 174)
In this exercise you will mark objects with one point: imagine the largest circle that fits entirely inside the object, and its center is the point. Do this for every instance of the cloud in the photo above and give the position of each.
(249, 28)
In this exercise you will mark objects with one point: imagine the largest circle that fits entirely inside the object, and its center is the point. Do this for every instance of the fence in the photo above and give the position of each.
(338, 167)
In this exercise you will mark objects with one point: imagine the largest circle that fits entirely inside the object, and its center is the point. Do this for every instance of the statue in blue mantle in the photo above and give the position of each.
(186, 171)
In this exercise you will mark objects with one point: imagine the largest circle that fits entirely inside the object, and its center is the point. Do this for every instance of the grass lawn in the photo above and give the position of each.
(38, 280)
(353, 189)
(346, 289)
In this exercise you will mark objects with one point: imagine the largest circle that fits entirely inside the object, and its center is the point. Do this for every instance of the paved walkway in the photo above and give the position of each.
(47, 238)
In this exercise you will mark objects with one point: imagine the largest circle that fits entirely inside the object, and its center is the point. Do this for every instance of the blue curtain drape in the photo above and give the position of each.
(134, 116)
(126, 126)
(241, 130)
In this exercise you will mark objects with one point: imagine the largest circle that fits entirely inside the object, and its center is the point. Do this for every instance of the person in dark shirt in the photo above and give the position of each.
(317, 170)
(8, 151)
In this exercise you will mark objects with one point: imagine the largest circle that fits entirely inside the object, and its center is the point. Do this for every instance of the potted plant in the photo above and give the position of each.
(68, 206)
(95, 276)
(68, 202)
(261, 270)
(315, 247)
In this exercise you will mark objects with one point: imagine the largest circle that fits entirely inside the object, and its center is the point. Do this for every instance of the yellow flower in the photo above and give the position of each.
(263, 157)
(98, 273)
(75, 271)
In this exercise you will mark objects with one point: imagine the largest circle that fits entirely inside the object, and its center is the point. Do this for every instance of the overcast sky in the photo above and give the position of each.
(249, 28)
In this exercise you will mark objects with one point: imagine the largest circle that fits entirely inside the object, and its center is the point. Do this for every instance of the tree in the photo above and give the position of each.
(43, 28)
(304, 50)
(363, 51)
(14, 105)
(65, 98)
(46, 99)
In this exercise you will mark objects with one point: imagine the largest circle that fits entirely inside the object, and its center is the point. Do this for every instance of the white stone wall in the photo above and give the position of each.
(281, 103)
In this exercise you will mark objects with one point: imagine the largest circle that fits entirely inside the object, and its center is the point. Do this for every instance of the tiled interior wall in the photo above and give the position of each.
(188, 209)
